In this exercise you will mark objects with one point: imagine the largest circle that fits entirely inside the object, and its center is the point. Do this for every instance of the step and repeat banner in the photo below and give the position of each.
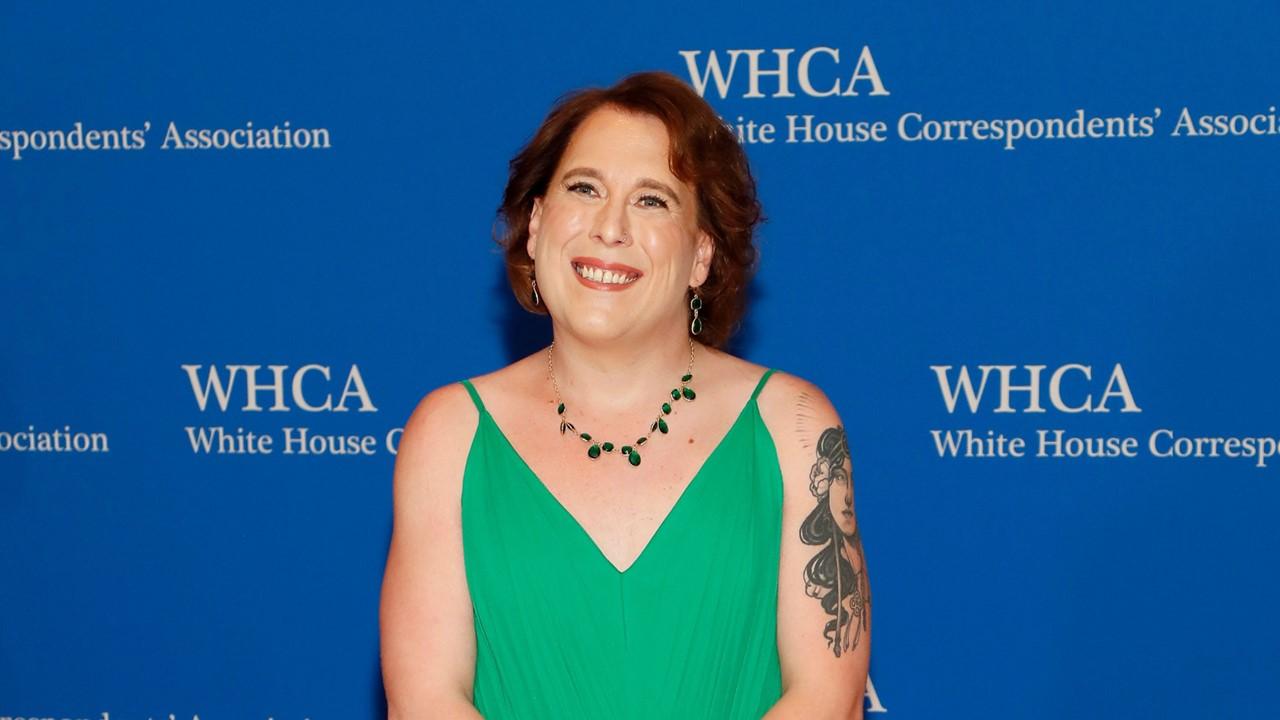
(1030, 253)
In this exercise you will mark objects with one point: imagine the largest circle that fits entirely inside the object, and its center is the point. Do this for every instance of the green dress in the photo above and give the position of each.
(688, 631)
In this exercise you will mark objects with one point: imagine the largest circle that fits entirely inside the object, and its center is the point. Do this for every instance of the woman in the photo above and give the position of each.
(630, 523)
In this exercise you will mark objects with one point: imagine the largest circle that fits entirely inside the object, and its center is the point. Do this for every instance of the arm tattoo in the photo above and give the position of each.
(836, 574)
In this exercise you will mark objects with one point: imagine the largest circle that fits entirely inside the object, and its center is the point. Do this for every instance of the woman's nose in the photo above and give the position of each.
(611, 225)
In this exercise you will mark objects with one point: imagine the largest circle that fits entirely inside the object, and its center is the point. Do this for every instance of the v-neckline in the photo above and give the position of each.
(542, 487)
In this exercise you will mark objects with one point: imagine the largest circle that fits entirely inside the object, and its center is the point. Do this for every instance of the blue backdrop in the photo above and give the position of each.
(1082, 192)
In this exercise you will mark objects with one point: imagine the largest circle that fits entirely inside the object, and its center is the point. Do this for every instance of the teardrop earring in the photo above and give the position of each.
(536, 299)
(695, 304)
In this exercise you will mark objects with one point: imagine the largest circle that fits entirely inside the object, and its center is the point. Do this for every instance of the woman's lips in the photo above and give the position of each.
(597, 262)
(616, 268)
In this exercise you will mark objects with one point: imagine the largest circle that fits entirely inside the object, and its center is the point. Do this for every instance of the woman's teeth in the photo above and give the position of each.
(604, 276)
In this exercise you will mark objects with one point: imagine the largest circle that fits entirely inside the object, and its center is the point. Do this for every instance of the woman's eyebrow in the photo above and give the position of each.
(656, 185)
(642, 182)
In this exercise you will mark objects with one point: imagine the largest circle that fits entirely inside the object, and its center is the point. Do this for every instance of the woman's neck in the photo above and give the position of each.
(615, 377)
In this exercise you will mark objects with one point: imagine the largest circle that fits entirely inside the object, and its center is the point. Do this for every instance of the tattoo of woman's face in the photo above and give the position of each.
(836, 574)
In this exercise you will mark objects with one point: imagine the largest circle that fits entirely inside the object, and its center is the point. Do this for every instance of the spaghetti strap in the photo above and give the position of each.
(475, 396)
(760, 385)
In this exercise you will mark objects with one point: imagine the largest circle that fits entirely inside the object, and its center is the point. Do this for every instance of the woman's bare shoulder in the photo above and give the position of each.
(448, 411)
(510, 384)
(729, 369)
(784, 384)
(438, 433)
(432, 450)
(795, 408)
(442, 424)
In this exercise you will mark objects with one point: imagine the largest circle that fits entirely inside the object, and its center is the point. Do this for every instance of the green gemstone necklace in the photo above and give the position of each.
(659, 424)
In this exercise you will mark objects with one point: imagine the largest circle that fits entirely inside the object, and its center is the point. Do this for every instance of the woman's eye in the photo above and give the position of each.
(653, 201)
(575, 187)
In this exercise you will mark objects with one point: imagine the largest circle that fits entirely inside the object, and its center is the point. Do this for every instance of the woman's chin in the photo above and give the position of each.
(598, 328)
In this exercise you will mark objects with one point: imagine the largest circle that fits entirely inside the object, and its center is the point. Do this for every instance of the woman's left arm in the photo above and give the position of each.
(824, 595)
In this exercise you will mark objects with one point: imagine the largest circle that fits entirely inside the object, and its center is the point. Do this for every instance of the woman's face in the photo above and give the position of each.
(614, 211)
(840, 501)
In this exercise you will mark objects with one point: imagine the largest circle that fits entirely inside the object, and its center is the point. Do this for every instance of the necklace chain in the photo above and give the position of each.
(632, 452)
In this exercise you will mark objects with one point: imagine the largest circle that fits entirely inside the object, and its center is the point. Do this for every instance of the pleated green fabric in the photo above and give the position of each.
(688, 631)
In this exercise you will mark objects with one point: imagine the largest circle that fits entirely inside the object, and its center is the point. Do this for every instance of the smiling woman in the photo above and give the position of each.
(722, 575)
(705, 160)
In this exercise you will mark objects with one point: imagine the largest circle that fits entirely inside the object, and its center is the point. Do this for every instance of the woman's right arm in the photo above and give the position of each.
(427, 631)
